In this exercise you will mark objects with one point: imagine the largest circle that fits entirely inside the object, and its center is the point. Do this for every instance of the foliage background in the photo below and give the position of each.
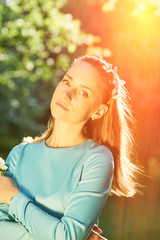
(37, 41)
(40, 39)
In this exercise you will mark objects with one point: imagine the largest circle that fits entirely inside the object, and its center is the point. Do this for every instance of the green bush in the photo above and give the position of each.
(37, 42)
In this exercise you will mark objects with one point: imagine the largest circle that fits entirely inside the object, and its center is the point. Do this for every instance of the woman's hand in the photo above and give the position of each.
(8, 189)
(94, 234)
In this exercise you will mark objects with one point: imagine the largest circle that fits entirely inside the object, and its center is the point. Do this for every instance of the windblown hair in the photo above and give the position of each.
(114, 130)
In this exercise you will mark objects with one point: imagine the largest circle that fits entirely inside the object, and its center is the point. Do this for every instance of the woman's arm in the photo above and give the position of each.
(16, 231)
(84, 206)
(13, 231)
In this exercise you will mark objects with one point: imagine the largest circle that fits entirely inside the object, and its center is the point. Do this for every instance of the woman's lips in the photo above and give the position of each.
(62, 106)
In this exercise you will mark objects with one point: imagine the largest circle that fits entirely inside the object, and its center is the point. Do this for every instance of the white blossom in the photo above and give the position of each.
(2, 164)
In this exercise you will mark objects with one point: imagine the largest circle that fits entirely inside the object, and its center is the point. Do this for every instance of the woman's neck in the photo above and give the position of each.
(65, 135)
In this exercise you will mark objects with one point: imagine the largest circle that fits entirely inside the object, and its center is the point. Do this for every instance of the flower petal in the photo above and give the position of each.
(2, 162)
(4, 167)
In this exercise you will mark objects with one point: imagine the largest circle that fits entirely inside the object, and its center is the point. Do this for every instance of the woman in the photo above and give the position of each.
(60, 181)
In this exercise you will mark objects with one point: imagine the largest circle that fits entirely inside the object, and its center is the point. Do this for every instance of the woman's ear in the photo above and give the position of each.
(101, 111)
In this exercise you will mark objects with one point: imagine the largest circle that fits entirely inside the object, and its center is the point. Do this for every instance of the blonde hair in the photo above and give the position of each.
(114, 130)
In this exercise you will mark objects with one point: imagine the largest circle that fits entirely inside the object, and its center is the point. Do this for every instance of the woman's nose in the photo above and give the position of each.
(69, 93)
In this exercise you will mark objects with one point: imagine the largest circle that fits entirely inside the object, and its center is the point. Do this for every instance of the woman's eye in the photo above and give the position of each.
(66, 82)
(84, 94)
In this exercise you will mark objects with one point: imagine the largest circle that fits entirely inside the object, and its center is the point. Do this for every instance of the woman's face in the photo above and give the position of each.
(78, 95)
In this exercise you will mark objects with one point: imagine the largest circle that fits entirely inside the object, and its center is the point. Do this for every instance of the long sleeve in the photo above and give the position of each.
(83, 208)
(13, 231)
(11, 161)
(12, 158)
(9, 228)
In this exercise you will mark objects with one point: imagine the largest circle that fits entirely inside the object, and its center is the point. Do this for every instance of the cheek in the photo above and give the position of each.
(86, 109)
(56, 93)
(91, 108)
(52, 103)
(51, 106)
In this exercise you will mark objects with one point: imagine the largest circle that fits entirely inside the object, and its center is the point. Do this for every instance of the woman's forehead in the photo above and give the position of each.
(85, 72)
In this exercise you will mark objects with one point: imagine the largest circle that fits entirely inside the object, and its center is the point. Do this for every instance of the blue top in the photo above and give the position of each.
(63, 191)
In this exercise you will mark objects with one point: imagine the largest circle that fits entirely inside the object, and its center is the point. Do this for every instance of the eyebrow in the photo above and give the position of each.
(81, 85)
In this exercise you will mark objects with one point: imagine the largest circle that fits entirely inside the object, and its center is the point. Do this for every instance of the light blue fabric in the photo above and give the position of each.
(63, 191)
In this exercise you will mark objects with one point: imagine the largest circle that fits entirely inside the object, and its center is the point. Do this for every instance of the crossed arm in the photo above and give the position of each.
(8, 191)
(79, 217)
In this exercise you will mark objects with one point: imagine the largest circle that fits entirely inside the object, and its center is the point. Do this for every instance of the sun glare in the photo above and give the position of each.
(146, 7)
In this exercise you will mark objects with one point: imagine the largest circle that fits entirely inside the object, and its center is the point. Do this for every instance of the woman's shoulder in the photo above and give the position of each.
(13, 157)
(15, 152)
(99, 166)
(101, 149)
(100, 154)
(17, 148)
(16, 155)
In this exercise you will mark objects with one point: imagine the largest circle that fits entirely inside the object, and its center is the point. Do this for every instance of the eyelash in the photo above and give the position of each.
(64, 80)
(83, 95)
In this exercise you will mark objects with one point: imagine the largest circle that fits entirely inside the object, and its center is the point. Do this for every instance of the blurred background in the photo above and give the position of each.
(38, 39)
